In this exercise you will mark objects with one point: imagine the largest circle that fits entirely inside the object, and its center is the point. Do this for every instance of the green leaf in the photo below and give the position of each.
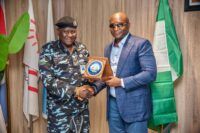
(3, 52)
(19, 34)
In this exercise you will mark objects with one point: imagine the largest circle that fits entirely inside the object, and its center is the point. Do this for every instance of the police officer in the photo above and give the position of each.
(61, 65)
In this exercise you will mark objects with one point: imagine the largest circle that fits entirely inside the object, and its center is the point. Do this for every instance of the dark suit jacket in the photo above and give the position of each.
(137, 68)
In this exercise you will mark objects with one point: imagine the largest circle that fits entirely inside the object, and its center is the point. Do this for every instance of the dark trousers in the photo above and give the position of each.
(118, 125)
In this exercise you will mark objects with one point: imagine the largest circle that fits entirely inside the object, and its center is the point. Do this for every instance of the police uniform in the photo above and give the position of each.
(61, 73)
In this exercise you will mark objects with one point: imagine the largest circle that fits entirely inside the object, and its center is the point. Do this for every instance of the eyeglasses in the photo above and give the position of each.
(118, 25)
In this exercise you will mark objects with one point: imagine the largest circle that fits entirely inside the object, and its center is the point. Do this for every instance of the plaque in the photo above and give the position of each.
(97, 68)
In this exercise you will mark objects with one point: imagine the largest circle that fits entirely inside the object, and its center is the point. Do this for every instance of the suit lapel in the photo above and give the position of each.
(124, 54)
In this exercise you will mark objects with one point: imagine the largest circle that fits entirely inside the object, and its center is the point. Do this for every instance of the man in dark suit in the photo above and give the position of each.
(134, 68)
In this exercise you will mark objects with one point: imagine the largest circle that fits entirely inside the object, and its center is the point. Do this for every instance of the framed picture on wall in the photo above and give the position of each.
(192, 5)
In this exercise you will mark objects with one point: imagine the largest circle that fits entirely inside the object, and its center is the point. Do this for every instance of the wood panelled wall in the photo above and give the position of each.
(93, 16)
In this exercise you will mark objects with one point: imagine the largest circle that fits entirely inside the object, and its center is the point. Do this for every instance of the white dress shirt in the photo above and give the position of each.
(114, 58)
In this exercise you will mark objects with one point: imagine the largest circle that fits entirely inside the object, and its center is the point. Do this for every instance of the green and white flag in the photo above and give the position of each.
(169, 66)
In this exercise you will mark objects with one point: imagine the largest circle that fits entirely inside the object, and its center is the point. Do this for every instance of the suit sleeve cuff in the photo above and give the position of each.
(94, 88)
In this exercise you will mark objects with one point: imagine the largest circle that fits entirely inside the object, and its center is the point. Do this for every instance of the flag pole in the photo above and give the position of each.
(8, 99)
(161, 128)
(31, 124)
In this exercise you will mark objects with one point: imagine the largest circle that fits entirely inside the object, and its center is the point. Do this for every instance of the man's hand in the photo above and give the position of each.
(113, 81)
(91, 91)
(84, 92)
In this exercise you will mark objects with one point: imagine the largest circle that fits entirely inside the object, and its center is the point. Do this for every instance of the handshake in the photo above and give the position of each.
(84, 92)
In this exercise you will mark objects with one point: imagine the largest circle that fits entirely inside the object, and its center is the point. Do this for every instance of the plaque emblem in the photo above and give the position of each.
(94, 68)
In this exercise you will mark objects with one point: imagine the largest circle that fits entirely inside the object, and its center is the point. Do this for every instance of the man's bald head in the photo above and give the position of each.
(120, 16)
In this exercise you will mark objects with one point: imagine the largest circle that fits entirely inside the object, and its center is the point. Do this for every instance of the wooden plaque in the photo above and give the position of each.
(97, 68)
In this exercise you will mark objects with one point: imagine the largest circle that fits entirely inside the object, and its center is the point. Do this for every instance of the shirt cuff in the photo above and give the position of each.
(122, 83)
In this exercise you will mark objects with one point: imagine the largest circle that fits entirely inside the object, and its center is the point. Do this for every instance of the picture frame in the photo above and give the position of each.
(192, 5)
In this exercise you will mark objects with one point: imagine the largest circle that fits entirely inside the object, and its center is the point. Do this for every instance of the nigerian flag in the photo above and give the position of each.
(170, 67)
